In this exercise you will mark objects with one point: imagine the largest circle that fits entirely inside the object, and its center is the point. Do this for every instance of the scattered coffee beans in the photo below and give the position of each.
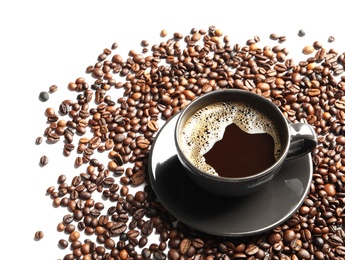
(124, 127)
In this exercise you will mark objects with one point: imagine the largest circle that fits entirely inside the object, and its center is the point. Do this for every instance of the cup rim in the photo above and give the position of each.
(187, 163)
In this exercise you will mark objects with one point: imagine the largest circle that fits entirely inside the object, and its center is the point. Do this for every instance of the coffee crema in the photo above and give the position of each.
(207, 127)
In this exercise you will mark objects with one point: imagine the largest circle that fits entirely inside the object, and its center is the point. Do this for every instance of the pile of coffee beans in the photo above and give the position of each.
(154, 84)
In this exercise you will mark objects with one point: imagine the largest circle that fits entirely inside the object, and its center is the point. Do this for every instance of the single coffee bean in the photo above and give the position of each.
(44, 160)
(43, 96)
(53, 88)
(139, 213)
(153, 125)
(281, 39)
(159, 255)
(274, 36)
(251, 249)
(138, 178)
(163, 33)
(39, 235)
(53, 137)
(198, 243)
(67, 219)
(63, 243)
(173, 254)
(331, 39)
(301, 33)
(75, 235)
(118, 228)
(308, 49)
(335, 240)
(185, 245)
(38, 140)
(288, 236)
(143, 241)
(146, 253)
(69, 257)
(64, 109)
(147, 228)
(303, 254)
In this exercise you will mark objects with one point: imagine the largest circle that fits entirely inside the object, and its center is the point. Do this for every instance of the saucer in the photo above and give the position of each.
(232, 217)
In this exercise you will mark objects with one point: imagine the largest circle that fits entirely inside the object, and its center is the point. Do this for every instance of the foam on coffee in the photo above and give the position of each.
(207, 126)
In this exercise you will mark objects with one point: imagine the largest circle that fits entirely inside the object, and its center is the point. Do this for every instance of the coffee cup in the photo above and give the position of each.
(231, 142)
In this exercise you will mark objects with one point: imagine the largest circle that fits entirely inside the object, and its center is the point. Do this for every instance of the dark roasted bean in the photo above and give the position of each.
(44, 160)
(43, 96)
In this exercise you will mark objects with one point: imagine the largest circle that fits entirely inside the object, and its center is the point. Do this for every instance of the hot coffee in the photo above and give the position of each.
(230, 139)
(239, 154)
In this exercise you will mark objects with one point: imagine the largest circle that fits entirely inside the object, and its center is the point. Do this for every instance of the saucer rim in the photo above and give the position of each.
(224, 234)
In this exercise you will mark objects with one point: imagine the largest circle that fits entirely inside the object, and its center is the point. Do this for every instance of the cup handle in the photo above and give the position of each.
(303, 140)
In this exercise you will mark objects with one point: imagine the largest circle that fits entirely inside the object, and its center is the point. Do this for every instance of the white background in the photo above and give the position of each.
(52, 42)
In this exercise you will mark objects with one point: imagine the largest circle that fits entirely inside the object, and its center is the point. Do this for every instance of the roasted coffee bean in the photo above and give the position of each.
(173, 254)
(139, 213)
(39, 235)
(75, 235)
(53, 88)
(118, 228)
(43, 96)
(38, 140)
(159, 255)
(153, 125)
(123, 218)
(143, 144)
(44, 160)
(64, 108)
(63, 243)
(296, 244)
(251, 249)
(185, 245)
(138, 178)
(274, 36)
(301, 33)
(147, 228)
(308, 49)
(335, 240)
(198, 243)
(67, 219)
(84, 195)
(53, 137)
(303, 254)
(69, 257)
(340, 250)
(331, 39)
